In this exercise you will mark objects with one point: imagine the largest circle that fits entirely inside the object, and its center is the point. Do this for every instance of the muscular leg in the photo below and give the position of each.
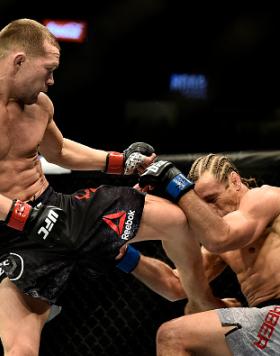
(197, 334)
(163, 220)
(21, 321)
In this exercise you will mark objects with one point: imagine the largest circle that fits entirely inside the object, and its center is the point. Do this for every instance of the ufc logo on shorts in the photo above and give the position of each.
(50, 220)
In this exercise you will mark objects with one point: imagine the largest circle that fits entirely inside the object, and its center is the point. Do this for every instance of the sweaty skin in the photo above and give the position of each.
(27, 128)
(22, 178)
(22, 126)
(241, 227)
(257, 265)
(246, 235)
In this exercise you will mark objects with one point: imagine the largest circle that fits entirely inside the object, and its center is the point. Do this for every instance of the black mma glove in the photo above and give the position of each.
(167, 179)
(128, 161)
(42, 223)
(135, 155)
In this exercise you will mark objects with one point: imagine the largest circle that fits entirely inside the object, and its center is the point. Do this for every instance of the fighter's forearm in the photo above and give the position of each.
(77, 156)
(160, 278)
(207, 227)
(73, 155)
(187, 257)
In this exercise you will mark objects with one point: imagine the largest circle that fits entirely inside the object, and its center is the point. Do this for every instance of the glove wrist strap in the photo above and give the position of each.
(130, 260)
(178, 186)
(114, 163)
(18, 215)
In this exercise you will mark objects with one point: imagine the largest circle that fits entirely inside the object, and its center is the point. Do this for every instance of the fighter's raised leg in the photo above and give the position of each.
(163, 220)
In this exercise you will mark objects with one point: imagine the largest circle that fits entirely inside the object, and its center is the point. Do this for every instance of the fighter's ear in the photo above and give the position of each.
(19, 58)
(235, 180)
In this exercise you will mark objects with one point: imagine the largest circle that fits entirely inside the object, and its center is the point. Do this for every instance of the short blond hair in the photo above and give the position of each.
(28, 35)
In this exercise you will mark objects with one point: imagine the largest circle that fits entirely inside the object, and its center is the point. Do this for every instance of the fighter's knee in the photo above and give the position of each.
(181, 218)
(166, 333)
(174, 335)
(179, 222)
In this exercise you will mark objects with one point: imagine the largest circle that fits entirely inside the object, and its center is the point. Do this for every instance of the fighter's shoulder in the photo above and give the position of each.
(45, 104)
(264, 193)
(265, 189)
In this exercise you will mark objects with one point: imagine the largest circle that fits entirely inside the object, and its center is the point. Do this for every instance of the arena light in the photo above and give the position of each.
(193, 86)
(67, 30)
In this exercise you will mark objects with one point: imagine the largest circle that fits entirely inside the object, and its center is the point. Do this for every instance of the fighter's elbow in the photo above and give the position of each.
(218, 245)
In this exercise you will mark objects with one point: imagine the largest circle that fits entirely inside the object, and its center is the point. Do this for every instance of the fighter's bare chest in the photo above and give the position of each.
(251, 257)
(20, 132)
(243, 259)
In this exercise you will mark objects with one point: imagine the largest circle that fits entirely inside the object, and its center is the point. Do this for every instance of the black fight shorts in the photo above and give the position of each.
(99, 222)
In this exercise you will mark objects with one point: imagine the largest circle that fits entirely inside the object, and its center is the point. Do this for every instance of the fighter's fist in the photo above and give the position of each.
(167, 180)
(133, 160)
(42, 223)
(137, 157)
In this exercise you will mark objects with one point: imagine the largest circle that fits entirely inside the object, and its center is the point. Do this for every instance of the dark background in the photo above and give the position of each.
(114, 88)
(132, 48)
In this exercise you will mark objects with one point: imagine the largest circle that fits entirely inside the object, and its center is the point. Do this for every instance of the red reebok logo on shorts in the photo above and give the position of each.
(119, 219)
